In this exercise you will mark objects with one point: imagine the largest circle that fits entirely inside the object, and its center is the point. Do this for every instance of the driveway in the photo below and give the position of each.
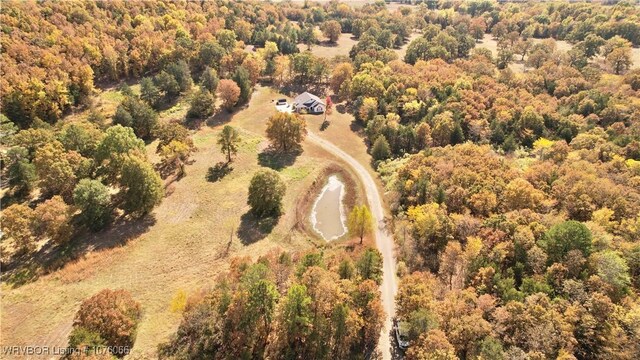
(384, 241)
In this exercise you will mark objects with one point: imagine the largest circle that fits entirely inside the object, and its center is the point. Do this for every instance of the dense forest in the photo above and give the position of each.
(515, 195)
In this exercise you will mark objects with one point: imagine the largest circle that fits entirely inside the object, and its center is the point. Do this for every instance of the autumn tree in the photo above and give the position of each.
(94, 201)
(53, 219)
(331, 30)
(265, 193)
(451, 262)
(432, 345)
(286, 131)
(228, 139)
(17, 224)
(360, 222)
(281, 69)
(341, 74)
(174, 155)
(620, 59)
(113, 315)
(167, 132)
(443, 128)
(229, 93)
(520, 194)
(56, 169)
(478, 27)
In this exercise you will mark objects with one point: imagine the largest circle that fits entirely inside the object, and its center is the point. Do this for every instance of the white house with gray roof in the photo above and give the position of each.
(307, 102)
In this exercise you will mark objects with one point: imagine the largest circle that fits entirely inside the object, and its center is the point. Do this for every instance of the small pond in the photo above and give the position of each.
(327, 214)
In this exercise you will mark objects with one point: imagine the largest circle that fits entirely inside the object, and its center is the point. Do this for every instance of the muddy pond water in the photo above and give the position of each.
(328, 215)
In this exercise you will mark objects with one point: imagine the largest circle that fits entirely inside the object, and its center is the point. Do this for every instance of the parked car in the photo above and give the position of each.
(401, 330)
(283, 106)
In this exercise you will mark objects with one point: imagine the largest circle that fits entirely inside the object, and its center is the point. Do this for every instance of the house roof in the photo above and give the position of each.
(307, 97)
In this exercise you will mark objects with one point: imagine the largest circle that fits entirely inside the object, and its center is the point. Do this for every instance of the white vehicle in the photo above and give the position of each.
(401, 330)
(283, 106)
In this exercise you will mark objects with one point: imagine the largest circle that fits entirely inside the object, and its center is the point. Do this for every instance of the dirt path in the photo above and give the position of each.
(384, 241)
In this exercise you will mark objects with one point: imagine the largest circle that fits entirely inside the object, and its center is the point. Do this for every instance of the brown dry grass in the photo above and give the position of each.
(186, 242)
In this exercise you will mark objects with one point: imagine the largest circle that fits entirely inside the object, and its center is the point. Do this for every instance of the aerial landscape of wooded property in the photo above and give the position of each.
(357, 179)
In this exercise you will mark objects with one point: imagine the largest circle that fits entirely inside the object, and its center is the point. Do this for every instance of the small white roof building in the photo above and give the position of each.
(309, 103)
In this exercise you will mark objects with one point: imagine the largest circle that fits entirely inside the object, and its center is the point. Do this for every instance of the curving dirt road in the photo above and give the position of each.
(384, 241)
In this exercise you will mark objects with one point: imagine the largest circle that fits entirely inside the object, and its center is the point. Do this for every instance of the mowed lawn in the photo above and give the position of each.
(182, 245)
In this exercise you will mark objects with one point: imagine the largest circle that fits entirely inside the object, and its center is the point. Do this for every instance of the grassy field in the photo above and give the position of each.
(324, 49)
(186, 242)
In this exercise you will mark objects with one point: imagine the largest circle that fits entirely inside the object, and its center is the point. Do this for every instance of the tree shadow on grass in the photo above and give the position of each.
(25, 268)
(253, 229)
(357, 127)
(324, 125)
(276, 159)
(219, 171)
(221, 117)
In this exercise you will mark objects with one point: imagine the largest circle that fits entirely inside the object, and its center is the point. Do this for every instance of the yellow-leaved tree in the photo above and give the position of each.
(360, 222)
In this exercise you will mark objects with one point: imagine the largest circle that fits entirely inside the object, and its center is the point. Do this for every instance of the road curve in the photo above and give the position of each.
(384, 241)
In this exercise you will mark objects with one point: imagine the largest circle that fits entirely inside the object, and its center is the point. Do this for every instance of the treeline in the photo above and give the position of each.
(514, 196)
(54, 51)
(531, 256)
(286, 306)
(571, 21)
(434, 103)
(81, 173)
(80, 166)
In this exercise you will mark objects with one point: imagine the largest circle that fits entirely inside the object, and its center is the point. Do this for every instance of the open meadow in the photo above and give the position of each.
(189, 239)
